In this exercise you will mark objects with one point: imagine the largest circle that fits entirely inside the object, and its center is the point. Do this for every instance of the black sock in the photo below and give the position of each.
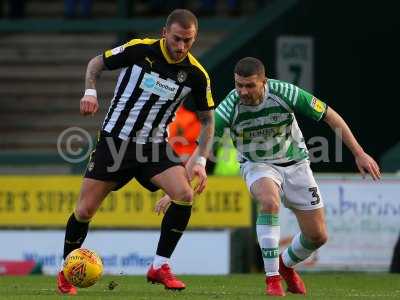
(75, 234)
(172, 227)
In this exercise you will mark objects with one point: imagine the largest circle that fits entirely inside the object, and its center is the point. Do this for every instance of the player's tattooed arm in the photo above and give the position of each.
(93, 71)
(207, 132)
(89, 104)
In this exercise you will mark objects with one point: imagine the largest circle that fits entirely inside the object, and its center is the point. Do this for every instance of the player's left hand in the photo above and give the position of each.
(198, 174)
(162, 205)
(366, 164)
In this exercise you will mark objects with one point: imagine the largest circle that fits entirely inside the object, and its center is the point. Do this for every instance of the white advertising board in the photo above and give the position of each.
(363, 220)
(123, 252)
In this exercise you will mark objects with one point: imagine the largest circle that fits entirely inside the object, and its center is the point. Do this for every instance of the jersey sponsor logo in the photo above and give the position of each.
(267, 132)
(317, 105)
(273, 118)
(159, 86)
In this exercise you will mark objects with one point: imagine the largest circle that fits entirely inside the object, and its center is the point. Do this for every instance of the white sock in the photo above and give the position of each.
(299, 250)
(268, 233)
(159, 261)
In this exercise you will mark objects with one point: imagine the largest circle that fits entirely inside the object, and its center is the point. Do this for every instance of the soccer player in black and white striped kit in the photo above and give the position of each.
(156, 76)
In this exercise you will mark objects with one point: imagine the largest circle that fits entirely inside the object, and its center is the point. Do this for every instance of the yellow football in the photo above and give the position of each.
(83, 267)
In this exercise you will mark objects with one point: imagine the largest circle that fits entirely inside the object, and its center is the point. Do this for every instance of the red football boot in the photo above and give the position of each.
(293, 280)
(165, 276)
(274, 286)
(63, 286)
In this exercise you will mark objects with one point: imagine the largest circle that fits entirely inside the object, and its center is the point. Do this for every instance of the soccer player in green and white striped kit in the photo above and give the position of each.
(260, 114)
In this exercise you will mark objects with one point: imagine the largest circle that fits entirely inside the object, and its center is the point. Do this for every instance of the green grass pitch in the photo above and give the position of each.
(232, 287)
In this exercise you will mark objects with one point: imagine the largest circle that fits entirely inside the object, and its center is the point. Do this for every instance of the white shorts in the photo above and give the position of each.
(296, 182)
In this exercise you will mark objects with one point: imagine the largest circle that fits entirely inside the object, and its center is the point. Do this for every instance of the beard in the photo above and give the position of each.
(179, 55)
(251, 100)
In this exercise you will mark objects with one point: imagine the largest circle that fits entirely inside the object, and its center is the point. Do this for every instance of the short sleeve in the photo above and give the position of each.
(201, 86)
(201, 93)
(220, 124)
(298, 100)
(310, 106)
(125, 55)
(224, 114)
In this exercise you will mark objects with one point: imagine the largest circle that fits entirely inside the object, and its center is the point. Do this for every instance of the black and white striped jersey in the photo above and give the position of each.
(150, 88)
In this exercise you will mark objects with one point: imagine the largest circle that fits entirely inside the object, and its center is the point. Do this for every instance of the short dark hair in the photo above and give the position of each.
(183, 17)
(249, 66)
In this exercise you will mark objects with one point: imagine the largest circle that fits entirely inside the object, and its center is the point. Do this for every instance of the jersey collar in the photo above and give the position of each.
(166, 55)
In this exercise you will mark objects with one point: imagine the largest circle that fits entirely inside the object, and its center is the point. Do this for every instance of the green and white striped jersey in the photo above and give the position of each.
(269, 131)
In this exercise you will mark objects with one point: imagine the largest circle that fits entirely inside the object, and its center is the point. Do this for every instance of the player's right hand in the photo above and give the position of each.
(197, 174)
(366, 164)
(89, 105)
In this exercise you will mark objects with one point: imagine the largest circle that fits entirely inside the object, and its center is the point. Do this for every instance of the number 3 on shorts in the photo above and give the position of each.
(314, 194)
